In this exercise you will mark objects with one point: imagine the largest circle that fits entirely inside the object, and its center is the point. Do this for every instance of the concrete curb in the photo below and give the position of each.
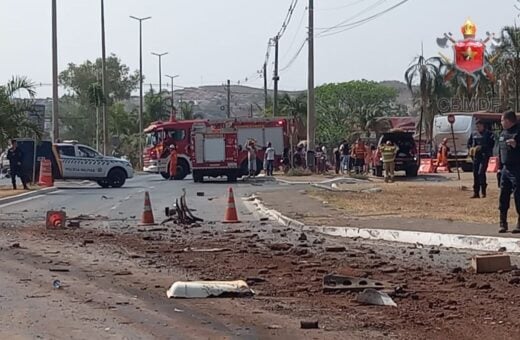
(472, 242)
(29, 194)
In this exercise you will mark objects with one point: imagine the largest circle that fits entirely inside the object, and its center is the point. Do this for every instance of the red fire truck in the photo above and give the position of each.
(205, 147)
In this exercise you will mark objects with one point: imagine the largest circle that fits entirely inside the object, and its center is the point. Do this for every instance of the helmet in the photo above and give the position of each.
(172, 146)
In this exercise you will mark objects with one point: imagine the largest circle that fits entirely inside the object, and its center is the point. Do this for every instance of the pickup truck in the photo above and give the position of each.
(77, 161)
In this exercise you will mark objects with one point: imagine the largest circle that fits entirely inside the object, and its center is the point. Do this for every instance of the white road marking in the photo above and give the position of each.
(20, 201)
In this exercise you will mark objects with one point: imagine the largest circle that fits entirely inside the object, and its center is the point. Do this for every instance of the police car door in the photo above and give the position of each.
(68, 160)
(90, 162)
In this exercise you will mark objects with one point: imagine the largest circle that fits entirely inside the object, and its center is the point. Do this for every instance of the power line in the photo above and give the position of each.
(295, 57)
(352, 25)
(287, 19)
(300, 23)
(340, 7)
(374, 5)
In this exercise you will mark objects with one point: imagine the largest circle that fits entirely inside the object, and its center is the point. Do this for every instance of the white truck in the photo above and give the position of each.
(77, 161)
(462, 129)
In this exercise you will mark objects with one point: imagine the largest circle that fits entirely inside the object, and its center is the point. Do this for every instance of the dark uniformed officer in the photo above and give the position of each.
(480, 146)
(509, 168)
(15, 157)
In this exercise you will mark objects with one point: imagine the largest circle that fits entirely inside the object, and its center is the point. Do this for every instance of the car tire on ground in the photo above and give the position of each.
(165, 175)
(103, 183)
(232, 178)
(412, 171)
(116, 178)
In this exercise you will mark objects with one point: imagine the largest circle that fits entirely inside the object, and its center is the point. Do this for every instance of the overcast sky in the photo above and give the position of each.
(210, 41)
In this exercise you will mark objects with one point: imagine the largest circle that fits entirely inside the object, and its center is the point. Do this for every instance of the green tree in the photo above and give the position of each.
(187, 110)
(156, 106)
(346, 108)
(293, 106)
(13, 111)
(507, 67)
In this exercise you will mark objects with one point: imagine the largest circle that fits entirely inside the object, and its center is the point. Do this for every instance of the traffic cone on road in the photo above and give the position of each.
(231, 210)
(147, 218)
(45, 174)
(55, 219)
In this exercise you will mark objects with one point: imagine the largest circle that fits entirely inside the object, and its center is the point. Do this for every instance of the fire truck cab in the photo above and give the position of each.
(211, 147)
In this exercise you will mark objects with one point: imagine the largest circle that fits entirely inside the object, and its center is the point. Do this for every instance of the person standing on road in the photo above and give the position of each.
(251, 157)
(269, 157)
(442, 155)
(345, 156)
(173, 161)
(359, 153)
(337, 160)
(388, 153)
(480, 145)
(15, 157)
(509, 168)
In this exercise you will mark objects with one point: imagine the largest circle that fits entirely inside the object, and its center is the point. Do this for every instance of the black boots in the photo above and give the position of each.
(517, 228)
(476, 195)
(503, 223)
(484, 187)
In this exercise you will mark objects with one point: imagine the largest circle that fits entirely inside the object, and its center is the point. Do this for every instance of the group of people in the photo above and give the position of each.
(268, 161)
(360, 157)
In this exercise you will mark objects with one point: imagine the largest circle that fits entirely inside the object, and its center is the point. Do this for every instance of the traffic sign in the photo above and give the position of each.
(451, 119)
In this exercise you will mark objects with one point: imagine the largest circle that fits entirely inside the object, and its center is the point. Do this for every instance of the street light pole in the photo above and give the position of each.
(171, 80)
(160, 55)
(311, 100)
(55, 98)
(104, 80)
(140, 88)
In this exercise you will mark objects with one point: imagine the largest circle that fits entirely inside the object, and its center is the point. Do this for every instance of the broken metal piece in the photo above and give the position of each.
(333, 283)
(55, 219)
(373, 297)
(205, 289)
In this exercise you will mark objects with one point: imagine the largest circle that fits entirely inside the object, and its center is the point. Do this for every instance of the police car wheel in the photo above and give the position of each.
(103, 183)
(116, 178)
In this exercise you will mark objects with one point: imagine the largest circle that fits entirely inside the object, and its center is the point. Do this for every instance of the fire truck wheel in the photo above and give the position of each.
(183, 169)
(259, 166)
(165, 175)
(116, 178)
(232, 178)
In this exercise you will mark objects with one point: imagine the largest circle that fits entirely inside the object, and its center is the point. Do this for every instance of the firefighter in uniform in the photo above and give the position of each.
(480, 145)
(359, 153)
(173, 161)
(388, 153)
(15, 157)
(509, 168)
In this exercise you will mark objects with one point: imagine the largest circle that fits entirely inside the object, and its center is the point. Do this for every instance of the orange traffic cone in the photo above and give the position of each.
(147, 218)
(45, 174)
(55, 219)
(231, 211)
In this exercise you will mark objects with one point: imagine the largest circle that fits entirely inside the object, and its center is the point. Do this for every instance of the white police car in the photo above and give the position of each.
(77, 161)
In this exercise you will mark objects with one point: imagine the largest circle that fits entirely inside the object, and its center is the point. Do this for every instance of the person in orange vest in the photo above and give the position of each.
(173, 161)
(359, 153)
(442, 155)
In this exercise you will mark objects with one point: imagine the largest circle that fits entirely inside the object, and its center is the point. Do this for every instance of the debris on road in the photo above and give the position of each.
(56, 284)
(280, 246)
(123, 273)
(338, 249)
(302, 237)
(205, 289)
(61, 270)
(15, 245)
(337, 283)
(206, 250)
(374, 297)
(309, 324)
(200, 194)
(180, 214)
(490, 263)
(73, 224)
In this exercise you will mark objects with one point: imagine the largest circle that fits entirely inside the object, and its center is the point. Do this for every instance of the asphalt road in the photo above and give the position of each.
(123, 207)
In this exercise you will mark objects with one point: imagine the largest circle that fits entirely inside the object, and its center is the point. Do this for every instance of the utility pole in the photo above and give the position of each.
(106, 147)
(140, 88)
(276, 78)
(311, 100)
(229, 98)
(160, 55)
(55, 98)
(173, 103)
(266, 103)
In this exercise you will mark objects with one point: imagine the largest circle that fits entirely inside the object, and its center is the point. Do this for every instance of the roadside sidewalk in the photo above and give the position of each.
(296, 205)
(24, 194)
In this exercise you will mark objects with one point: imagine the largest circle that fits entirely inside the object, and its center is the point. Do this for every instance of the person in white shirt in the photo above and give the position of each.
(269, 157)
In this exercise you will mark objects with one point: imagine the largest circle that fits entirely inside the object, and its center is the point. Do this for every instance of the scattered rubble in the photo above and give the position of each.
(205, 289)
(371, 296)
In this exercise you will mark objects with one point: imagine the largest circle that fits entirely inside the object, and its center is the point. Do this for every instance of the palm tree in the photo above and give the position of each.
(157, 106)
(187, 110)
(13, 111)
(507, 64)
(293, 106)
(428, 73)
(96, 98)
